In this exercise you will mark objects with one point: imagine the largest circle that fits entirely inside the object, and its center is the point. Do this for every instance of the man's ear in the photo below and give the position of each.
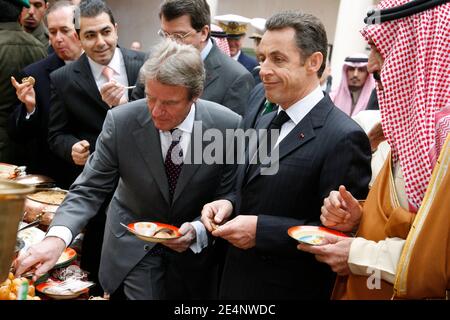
(205, 32)
(314, 62)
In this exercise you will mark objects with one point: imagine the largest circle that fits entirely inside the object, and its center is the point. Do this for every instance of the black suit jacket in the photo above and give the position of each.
(31, 134)
(326, 149)
(77, 110)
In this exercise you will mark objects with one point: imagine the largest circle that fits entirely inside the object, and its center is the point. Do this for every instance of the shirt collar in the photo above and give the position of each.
(114, 64)
(302, 107)
(236, 57)
(206, 50)
(188, 123)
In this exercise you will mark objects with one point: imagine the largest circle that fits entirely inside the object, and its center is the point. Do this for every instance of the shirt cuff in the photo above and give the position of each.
(202, 237)
(368, 257)
(28, 116)
(61, 232)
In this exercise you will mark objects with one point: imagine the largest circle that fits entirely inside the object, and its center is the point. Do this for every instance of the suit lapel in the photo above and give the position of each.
(85, 80)
(148, 141)
(303, 132)
(202, 121)
(252, 116)
(212, 67)
(54, 62)
(132, 66)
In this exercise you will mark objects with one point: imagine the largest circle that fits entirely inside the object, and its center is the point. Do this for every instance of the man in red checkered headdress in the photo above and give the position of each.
(403, 244)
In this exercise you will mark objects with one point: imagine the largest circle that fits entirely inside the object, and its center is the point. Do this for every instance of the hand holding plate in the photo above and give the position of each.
(183, 243)
(335, 253)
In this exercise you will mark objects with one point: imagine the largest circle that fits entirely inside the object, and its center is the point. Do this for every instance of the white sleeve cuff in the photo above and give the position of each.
(28, 116)
(202, 237)
(61, 232)
(367, 257)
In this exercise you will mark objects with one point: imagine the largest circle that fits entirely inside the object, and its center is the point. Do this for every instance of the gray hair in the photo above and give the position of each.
(58, 5)
(176, 64)
(310, 34)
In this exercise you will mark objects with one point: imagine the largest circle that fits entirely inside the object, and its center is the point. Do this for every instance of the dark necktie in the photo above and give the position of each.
(269, 107)
(276, 124)
(174, 162)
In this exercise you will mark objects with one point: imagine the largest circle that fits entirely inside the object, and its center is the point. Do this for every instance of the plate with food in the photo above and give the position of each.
(66, 258)
(312, 235)
(153, 231)
(56, 290)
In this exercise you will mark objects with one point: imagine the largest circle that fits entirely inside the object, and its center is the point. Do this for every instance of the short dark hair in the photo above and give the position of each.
(310, 34)
(9, 11)
(93, 8)
(197, 10)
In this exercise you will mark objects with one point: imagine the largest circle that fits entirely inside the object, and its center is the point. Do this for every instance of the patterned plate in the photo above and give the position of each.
(312, 235)
(172, 233)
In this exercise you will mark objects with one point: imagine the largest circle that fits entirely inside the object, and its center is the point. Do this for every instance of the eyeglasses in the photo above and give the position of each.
(174, 36)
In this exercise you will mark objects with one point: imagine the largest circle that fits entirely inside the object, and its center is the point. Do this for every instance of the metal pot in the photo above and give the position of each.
(12, 197)
(36, 180)
(41, 210)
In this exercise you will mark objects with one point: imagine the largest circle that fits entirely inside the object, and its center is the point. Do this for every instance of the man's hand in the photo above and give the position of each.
(41, 257)
(335, 253)
(183, 243)
(113, 94)
(341, 211)
(240, 232)
(80, 152)
(216, 213)
(376, 136)
(26, 94)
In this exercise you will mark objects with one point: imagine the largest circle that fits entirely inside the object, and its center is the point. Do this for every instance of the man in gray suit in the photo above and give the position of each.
(227, 81)
(136, 151)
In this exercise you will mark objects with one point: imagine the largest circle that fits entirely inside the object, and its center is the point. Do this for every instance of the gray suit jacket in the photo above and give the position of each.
(128, 151)
(227, 82)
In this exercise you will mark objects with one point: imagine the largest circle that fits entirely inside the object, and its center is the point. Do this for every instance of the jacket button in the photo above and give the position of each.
(146, 247)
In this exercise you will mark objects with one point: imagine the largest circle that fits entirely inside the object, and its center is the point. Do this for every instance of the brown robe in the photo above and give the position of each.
(424, 269)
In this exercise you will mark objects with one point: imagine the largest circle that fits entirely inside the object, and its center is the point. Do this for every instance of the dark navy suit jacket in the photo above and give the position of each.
(248, 62)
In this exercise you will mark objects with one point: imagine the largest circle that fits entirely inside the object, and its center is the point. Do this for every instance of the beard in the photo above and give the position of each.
(355, 88)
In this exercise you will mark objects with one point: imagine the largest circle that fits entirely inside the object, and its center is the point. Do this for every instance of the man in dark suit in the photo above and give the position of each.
(227, 82)
(82, 94)
(28, 124)
(317, 149)
(147, 147)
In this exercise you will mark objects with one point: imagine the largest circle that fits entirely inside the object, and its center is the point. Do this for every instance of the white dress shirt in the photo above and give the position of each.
(206, 50)
(186, 128)
(237, 55)
(117, 65)
(298, 111)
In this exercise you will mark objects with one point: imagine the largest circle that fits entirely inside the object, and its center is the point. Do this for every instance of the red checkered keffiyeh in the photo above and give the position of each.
(222, 43)
(415, 98)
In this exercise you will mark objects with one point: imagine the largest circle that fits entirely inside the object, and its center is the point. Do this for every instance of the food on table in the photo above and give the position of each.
(50, 197)
(9, 289)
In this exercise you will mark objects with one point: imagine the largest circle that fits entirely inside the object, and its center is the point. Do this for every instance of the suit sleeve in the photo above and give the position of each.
(60, 139)
(97, 181)
(348, 163)
(237, 94)
(20, 128)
